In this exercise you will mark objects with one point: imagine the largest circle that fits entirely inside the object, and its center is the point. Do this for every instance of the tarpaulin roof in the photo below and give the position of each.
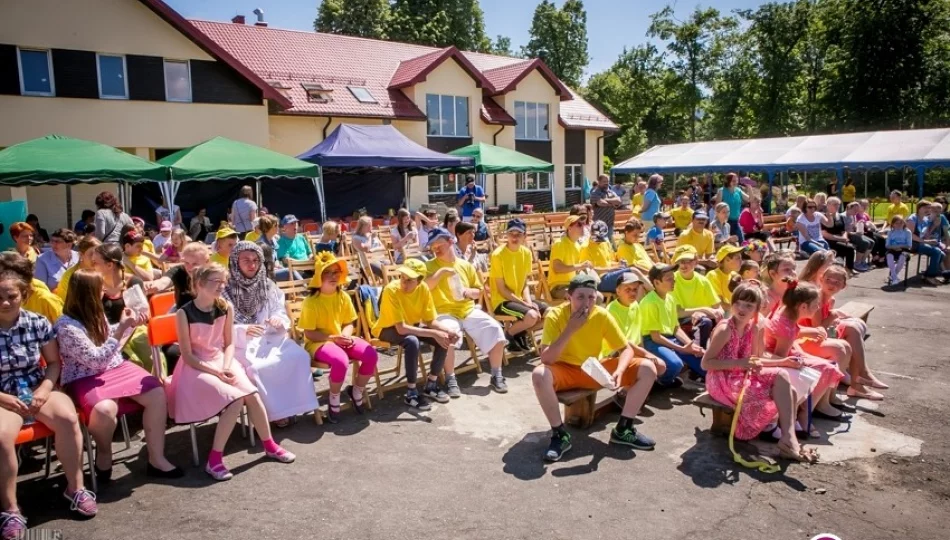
(64, 160)
(377, 147)
(490, 159)
(222, 158)
(921, 148)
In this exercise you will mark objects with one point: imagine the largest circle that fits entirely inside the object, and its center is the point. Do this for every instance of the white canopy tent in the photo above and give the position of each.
(919, 149)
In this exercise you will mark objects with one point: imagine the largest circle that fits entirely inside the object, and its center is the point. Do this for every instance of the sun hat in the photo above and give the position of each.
(727, 250)
(413, 269)
(224, 232)
(323, 262)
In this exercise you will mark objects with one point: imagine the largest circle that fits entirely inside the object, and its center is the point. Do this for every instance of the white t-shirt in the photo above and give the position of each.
(166, 215)
(159, 241)
(241, 215)
(813, 228)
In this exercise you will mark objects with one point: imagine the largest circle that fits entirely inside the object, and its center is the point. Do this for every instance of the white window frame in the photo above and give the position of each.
(520, 182)
(49, 66)
(165, 79)
(524, 107)
(468, 112)
(573, 167)
(443, 180)
(125, 75)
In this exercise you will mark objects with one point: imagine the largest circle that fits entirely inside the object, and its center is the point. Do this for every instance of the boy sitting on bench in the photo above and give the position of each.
(573, 332)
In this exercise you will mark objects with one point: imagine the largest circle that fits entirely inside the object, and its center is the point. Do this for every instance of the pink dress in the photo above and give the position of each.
(724, 385)
(196, 396)
(781, 326)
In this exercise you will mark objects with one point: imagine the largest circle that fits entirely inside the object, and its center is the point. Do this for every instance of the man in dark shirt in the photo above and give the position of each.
(605, 203)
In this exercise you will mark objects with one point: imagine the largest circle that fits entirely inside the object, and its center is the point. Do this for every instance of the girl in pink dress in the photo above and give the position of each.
(782, 333)
(206, 382)
(735, 349)
(776, 267)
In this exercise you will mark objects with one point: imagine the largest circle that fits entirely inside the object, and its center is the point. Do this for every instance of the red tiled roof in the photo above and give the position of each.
(415, 70)
(493, 113)
(505, 78)
(207, 44)
(288, 58)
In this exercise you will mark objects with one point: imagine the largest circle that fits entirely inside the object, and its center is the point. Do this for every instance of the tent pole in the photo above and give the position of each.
(865, 183)
(257, 190)
(887, 190)
(405, 181)
(921, 173)
(553, 198)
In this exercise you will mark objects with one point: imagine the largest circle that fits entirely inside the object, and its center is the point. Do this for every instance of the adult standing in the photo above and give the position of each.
(605, 202)
(244, 212)
(110, 219)
(165, 213)
(734, 197)
(200, 226)
(470, 197)
(51, 265)
(651, 198)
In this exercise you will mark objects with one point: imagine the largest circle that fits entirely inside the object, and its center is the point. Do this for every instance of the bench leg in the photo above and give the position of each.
(580, 414)
(722, 422)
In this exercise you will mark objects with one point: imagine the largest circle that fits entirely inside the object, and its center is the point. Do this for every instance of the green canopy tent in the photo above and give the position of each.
(225, 159)
(490, 159)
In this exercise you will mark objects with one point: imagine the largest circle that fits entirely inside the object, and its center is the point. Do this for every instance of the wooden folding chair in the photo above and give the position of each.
(300, 266)
(294, 290)
(508, 320)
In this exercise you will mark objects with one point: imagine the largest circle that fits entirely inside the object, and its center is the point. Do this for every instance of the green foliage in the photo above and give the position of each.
(559, 38)
(440, 23)
(502, 46)
(363, 18)
(608, 164)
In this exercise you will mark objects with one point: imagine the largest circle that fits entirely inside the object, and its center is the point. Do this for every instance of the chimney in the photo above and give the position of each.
(260, 17)
(238, 19)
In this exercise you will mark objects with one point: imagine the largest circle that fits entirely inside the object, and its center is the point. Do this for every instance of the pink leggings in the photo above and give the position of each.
(339, 358)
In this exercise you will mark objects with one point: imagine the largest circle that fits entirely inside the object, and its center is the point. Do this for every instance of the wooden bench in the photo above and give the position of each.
(721, 414)
(582, 407)
(858, 310)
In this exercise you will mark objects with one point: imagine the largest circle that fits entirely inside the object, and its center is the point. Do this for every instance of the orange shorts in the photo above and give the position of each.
(571, 377)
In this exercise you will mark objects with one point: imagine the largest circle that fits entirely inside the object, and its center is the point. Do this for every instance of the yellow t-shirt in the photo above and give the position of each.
(600, 254)
(628, 319)
(848, 193)
(326, 313)
(635, 255)
(142, 262)
(63, 286)
(568, 252)
(44, 302)
(636, 202)
(445, 302)
(720, 283)
(253, 236)
(682, 217)
(658, 314)
(148, 246)
(599, 332)
(900, 209)
(694, 293)
(513, 267)
(220, 259)
(705, 242)
(396, 306)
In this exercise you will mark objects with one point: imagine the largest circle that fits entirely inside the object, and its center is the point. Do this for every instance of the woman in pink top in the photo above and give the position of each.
(781, 335)
(752, 222)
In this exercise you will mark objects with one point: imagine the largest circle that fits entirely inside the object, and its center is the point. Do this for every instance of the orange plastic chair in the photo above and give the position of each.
(161, 303)
(311, 228)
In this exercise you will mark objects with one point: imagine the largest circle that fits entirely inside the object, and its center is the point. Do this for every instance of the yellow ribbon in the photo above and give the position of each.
(762, 466)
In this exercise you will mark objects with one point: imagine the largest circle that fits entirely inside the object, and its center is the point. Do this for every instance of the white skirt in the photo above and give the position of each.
(280, 369)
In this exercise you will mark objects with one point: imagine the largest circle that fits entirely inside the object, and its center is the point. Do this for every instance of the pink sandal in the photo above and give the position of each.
(282, 455)
(219, 472)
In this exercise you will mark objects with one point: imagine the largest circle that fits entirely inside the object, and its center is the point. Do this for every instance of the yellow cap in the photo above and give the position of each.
(571, 220)
(324, 261)
(224, 232)
(685, 252)
(727, 250)
(413, 269)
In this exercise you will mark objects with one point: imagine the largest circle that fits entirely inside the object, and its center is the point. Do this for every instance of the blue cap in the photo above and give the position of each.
(288, 219)
(517, 224)
(438, 233)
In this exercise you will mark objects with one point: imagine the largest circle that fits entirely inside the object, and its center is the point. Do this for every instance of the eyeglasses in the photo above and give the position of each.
(333, 273)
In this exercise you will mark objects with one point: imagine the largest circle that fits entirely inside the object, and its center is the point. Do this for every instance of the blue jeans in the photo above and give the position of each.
(283, 274)
(812, 246)
(736, 230)
(674, 361)
(701, 330)
(934, 254)
(608, 282)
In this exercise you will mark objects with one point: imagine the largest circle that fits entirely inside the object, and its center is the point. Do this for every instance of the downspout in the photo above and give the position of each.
(600, 162)
(329, 119)
(494, 141)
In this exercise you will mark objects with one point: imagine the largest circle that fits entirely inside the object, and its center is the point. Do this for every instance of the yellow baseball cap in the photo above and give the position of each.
(571, 220)
(413, 269)
(727, 250)
(224, 232)
(685, 252)
(324, 261)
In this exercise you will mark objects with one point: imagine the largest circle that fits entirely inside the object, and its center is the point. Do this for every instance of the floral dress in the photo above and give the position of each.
(724, 385)
(781, 326)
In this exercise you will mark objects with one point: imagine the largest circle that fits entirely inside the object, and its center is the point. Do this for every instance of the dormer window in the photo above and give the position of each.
(317, 93)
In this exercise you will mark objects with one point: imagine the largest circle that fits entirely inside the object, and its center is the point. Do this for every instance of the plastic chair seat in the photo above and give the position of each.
(33, 432)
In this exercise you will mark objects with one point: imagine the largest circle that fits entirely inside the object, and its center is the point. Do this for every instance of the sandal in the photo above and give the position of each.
(873, 382)
(870, 394)
(803, 455)
(219, 472)
(281, 455)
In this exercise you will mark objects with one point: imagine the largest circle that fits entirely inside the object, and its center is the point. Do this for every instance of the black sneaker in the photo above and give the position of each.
(416, 401)
(514, 344)
(525, 341)
(499, 384)
(559, 446)
(630, 437)
(432, 391)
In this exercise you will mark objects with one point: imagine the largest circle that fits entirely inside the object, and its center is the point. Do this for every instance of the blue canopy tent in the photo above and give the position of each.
(373, 152)
(919, 149)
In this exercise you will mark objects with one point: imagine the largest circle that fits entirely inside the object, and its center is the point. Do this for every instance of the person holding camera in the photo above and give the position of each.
(469, 198)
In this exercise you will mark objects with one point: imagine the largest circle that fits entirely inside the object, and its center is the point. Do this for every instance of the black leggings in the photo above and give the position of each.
(410, 345)
(861, 243)
(843, 250)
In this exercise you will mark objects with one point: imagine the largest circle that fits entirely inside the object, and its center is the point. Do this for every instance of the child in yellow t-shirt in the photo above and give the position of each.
(682, 215)
(598, 250)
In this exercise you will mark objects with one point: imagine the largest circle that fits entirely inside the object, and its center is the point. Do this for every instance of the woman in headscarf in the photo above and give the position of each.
(278, 367)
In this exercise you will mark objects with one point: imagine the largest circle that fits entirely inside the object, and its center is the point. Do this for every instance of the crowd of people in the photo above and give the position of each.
(725, 306)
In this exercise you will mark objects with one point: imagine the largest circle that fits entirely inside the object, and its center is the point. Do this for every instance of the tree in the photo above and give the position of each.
(502, 46)
(363, 18)
(559, 38)
(697, 47)
(440, 23)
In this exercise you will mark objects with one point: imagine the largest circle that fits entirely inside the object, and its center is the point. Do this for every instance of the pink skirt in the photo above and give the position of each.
(758, 409)
(118, 384)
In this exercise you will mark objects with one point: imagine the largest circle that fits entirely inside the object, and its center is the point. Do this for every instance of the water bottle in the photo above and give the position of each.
(25, 394)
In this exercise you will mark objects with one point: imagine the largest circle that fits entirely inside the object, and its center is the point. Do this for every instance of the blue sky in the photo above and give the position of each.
(611, 24)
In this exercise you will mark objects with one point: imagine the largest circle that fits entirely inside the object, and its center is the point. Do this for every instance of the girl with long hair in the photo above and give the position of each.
(110, 219)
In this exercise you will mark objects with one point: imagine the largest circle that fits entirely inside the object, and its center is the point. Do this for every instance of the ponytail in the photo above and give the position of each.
(798, 293)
